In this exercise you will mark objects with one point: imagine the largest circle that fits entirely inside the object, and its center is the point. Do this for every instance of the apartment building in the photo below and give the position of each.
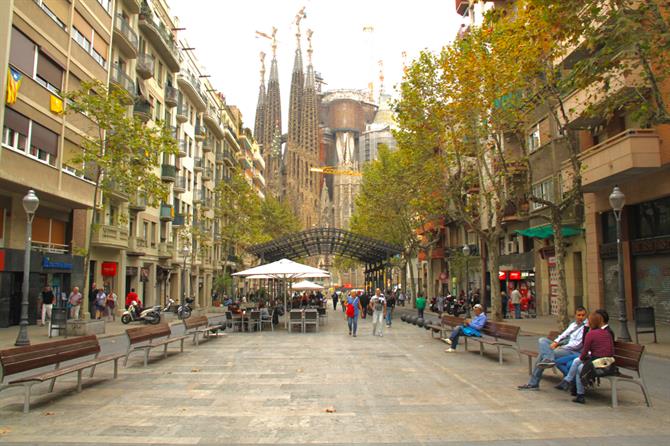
(54, 46)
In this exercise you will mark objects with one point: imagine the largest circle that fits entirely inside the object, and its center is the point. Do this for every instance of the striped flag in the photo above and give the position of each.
(14, 78)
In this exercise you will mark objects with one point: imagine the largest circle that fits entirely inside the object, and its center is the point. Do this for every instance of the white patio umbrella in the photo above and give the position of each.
(284, 269)
(306, 285)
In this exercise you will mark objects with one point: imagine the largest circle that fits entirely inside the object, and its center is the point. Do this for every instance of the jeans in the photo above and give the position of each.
(455, 334)
(334, 304)
(353, 324)
(420, 310)
(377, 323)
(546, 354)
(574, 375)
(563, 364)
(517, 311)
(389, 315)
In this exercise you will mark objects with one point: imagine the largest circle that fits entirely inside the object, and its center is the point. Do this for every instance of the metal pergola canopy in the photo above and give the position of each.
(321, 241)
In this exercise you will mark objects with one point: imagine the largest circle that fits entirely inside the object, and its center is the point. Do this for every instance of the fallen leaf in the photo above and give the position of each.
(195, 370)
(46, 414)
(4, 430)
(330, 409)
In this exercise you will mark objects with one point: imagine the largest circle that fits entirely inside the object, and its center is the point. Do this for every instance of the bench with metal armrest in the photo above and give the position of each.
(199, 325)
(145, 338)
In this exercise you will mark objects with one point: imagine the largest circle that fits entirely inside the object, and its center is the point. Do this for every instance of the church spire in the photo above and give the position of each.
(297, 82)
(272, 123)
(310, 118)
(260, 107)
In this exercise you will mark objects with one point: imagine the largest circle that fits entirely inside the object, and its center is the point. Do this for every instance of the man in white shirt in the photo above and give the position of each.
(516, 301)
(566, 344)
(378, 306)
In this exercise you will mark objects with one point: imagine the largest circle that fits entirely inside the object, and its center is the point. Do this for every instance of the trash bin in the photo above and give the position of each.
(58, 321)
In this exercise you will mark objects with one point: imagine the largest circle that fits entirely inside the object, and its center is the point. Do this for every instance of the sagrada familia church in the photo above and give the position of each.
(337, 129)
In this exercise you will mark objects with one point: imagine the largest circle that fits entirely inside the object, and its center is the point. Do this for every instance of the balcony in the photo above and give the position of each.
(110, 236)
(219, 158)
(165, 250)
(138, 203)
(125, 38)
(462, 6)
(123, 82)
(133, 6)
(182, 146)
(179, 184)
(213, 121)
(171, 96)
(200, 131)
(259, 179)
(178, 221)
(160, 37)
(173, 131)
(166, 212)
(198, 164)
(197, 196)
(142, 110)
(630, 153)
(182, 112)
(190, 85)
(207, 146)
(228, 157)
(515, 210)
(207, 174)
(168, 173)
(206, 203)
(244, 161)
(145, 66)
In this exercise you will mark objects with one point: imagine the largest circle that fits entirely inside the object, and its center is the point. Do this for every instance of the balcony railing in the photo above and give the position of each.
(197, 195)
(200, 131)
(182, 112)
(190, 85)
(178, 220)
(219, 157)
(110, 236)
(207, 146)
(138, 202)
(182, 147)
(207, 173)
(162, 39)
(198, 164)
(128, 41)
(179, 184)
(122, 80)
(49, 247)
(142, 110)
(145, 66)
(168, 172)
(171, 96)
(166, 212)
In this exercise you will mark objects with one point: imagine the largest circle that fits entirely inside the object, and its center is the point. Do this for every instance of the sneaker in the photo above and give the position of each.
(563, 385)
(447, 340)
(579, 399)
(450, 350)
(381, 335)
(573, 389)
(546, 364)
(529, 387)
(350, 333)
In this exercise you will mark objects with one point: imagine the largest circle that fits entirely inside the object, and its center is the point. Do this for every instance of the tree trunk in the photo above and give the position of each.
(85, 307)
(559, 246)
(411, 278)
(403, 276)
(493, 251)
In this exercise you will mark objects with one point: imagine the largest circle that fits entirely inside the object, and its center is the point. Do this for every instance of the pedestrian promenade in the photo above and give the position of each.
(329, 388)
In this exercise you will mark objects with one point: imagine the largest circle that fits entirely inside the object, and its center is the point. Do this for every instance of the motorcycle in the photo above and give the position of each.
(455, 306)
(183, 310)
(150, 315)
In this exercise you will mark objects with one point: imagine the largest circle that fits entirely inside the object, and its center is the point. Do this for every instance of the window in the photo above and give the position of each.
(145, 230)
(107, 4)
(48, 74)
(22, 52)
(153, 234)
(159, 73)
(43, 144)
(81, 40)
(533, 138)
(544, 190)
(54, 9)
(608, 227)
(89, 40)
(158, 110)
(651, 219)
(15, 130)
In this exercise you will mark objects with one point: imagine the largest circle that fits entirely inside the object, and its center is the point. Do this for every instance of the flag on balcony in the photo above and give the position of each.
(56, 104)
(14, 79)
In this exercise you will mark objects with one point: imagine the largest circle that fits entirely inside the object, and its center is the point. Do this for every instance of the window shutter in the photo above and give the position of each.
(82, 26)
(60, 8)
(16, 121)
(44, 139)
(41, 229)
(100, 46)
(49, 71)
(22, 52)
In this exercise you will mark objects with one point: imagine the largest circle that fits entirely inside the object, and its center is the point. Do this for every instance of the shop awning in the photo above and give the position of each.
(544, 232)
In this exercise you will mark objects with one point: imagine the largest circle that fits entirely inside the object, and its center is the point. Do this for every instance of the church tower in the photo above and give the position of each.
(260, 107)
(272, 126)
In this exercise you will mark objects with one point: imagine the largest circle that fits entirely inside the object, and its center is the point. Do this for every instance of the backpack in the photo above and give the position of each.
(351, 310)
(593, 370)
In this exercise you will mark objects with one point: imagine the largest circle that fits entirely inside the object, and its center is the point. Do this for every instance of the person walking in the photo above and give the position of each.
(110, 303)
(440, 304)
(47, 303)
(100, 302)
(378, 307)
(516, 301)
(353, 310)
(92, 294)
(75, 303)
(390, 305)
(505, 303)
(420, 305)
(335, 299)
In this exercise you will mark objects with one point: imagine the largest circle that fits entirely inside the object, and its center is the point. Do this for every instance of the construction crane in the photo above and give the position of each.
(330, 170)
(272, 37)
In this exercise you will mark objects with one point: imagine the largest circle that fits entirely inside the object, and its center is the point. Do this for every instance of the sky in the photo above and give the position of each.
(223, 34)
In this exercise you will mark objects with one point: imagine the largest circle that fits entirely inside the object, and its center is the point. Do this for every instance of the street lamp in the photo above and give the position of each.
(30, 205)
(185, 251)
(617, 201)
(466, 253)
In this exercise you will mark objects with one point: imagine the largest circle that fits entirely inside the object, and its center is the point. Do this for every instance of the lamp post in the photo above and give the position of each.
(30, 205)
(617, 201)
(185, 251)
(466, 253)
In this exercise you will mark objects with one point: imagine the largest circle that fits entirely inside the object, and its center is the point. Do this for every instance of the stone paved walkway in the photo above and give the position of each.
(275, 388)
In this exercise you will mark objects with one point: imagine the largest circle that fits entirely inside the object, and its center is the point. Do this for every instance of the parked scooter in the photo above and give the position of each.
(150, 315)
(455, 306)
(183, 310)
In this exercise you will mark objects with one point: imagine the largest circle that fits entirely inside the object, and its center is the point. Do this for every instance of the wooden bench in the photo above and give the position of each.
(447, 323)
(627, 356)
(32, 357)
(498, 335)
(532, 354)
(200, 325)
(154, 336)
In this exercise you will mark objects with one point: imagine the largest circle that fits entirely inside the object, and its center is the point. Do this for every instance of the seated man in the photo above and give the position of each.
(469, 328)
(559, 352)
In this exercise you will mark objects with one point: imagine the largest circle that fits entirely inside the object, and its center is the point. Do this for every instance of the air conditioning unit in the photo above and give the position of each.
(512, 247)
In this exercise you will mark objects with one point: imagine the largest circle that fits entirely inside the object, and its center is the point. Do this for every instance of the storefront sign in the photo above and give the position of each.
(131, 271)
(108, 269)
(515, 275)
(144, 274)
(502, 275)
(48, 264)
(2, 260)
